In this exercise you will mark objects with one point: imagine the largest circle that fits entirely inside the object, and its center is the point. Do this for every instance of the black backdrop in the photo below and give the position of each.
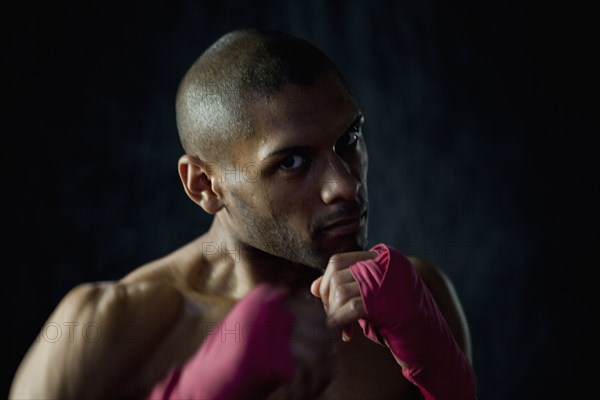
(479, 120)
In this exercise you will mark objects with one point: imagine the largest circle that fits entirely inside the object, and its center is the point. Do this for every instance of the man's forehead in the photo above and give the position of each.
(301, 112)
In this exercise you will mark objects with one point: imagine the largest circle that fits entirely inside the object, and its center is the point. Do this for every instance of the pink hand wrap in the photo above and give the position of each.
(247, 356)
(401, 310)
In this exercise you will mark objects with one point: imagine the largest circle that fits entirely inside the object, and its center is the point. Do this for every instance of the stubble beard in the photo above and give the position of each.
(269, 234)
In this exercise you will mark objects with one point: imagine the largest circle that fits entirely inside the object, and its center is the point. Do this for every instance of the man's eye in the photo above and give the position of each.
(349, 139)
(292, 162)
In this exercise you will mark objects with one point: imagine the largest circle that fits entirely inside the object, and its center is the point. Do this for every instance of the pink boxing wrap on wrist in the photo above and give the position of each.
(247, 355)
(401, 310)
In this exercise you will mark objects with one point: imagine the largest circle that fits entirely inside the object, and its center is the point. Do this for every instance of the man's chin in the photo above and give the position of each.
(321, 250)
(344, 244)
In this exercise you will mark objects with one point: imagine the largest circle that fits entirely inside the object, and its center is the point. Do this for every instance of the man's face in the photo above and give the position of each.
(303, 170)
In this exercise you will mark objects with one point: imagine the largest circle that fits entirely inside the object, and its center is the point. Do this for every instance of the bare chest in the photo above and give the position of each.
(366, 370)
(361, 369)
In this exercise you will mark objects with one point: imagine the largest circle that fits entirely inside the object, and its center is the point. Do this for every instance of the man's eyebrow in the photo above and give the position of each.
(290, 149)
(358, 120)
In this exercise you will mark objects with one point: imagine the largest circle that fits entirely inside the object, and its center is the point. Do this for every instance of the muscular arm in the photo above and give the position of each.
(108, 331)
(447, 301)
(412, 309)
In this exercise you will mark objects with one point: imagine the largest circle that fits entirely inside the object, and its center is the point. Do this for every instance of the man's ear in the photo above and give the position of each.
(197, 178)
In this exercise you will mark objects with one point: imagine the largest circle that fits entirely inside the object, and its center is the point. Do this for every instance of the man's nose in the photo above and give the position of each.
(337, 181)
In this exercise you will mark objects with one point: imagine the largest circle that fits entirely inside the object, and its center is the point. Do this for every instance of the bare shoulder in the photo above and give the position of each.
(445, 295)
(93, 338)
(118, 338)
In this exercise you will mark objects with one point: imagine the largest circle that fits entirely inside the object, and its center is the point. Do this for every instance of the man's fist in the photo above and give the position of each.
(340, 292)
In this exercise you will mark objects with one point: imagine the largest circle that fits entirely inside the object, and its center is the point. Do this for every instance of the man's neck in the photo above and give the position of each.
(247, 266)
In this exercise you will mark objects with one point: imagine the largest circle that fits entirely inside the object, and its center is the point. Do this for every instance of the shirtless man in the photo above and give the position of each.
(275, 151)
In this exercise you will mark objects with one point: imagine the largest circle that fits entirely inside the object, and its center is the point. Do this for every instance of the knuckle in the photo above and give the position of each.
(336, 280)
(340, 293)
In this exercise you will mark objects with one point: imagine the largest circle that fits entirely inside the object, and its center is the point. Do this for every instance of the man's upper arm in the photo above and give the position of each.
(106, 331)
(447, 300)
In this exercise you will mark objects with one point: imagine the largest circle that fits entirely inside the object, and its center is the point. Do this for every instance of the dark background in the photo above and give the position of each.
(480, 120)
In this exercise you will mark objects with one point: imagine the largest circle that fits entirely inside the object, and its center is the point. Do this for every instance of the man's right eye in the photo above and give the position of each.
(292, 162)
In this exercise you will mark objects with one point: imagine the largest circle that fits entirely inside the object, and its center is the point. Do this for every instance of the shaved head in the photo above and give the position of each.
(241, 67)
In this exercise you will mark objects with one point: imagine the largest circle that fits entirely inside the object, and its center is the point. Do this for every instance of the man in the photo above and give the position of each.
(280, 297)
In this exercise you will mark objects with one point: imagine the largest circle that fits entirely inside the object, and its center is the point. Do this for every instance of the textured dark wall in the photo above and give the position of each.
(478, 119)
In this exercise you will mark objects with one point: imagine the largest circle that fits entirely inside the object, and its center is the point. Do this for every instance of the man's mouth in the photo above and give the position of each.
(345, 226)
